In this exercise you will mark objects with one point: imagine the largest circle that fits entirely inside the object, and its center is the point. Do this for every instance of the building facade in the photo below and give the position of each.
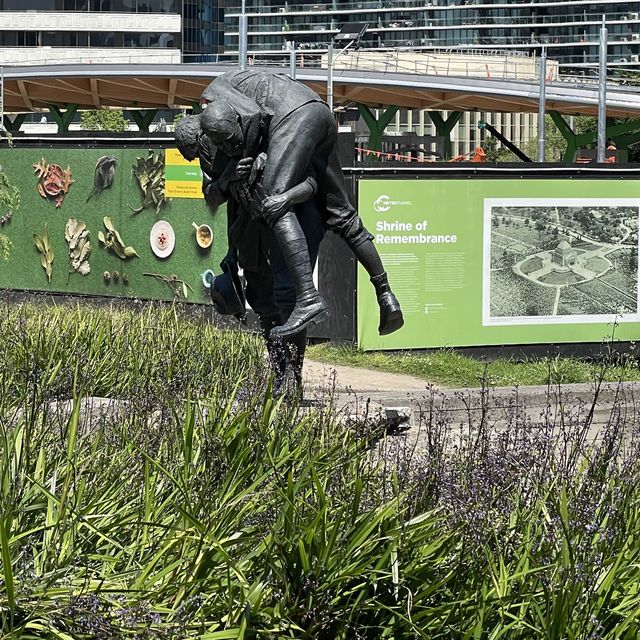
(568, 29)
(109, 31)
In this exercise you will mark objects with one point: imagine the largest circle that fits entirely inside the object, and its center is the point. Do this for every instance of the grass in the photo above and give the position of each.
(198, 506)
(448, 368)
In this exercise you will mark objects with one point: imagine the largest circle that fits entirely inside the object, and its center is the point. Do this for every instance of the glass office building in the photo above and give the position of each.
(98, 31)
(569, 29)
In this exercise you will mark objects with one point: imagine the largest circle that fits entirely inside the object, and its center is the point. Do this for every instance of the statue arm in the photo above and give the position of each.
(217, 174)
(274, 207)
(213, 192)
(302, 192)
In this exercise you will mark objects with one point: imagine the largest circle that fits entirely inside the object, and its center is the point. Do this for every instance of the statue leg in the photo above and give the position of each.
(343, 219)
(286, 356)
(391, 318)
(309, 307)
(277, 356)
(295, 345)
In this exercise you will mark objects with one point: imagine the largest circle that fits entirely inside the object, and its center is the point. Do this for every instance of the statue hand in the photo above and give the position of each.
(243, 196)
(274, 207)
(257, 167)
(243, 168)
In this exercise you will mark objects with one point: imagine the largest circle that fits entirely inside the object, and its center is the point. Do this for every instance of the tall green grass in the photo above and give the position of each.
(201, 507)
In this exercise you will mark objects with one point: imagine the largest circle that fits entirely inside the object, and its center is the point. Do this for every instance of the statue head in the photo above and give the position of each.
(221, 123)
(188, 132)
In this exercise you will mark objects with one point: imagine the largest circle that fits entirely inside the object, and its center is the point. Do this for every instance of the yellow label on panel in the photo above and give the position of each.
(182, 179)
(173, 156)
(183, 189)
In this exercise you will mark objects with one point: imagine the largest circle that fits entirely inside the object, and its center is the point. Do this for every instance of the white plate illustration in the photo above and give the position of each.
(162, 239)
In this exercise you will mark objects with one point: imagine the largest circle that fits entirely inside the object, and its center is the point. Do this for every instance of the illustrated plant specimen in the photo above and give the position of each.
(104, 175)
(9, 199)
(43, 243)
(77, 236)
(175, 284)
(114, 241)
(149, 174)
(5, 247)
(53, 181)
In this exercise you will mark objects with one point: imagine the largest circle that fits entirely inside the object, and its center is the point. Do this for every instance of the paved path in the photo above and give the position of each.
(319, 376)
(353, 387)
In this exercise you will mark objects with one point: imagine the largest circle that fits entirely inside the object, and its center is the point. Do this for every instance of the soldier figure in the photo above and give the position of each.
(250, 112)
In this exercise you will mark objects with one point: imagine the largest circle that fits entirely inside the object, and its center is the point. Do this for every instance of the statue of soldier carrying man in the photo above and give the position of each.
(252, 112)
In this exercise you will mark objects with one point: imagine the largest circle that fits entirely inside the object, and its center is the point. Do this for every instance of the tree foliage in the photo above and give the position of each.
(555, 144)
(104, 120)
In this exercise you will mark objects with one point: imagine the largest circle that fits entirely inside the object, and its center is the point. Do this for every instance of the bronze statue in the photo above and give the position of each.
(250, 112)
(269, 287)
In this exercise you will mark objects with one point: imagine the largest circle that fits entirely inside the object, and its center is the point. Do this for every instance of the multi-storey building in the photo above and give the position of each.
(568, 28)
(40, 32)
(108, 31)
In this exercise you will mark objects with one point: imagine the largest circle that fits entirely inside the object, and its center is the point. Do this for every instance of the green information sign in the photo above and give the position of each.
(49, 187)
(492, 262)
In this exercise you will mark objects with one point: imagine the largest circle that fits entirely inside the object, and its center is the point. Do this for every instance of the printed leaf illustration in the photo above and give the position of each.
(113, 240)
(77, 236)
(174, 283)
(53, 181)
(9, 198)
(43, 243)
(149, 174)
(5, 247)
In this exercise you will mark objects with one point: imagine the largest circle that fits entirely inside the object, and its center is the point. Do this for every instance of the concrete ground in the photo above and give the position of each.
(355, 388)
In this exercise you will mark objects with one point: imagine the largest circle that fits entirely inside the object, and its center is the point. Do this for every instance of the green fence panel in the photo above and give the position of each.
(22, 270)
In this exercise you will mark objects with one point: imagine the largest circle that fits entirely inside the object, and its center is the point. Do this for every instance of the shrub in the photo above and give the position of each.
(104, 120)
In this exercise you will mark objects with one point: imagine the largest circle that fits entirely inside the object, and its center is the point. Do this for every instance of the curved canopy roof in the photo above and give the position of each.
(92, 86)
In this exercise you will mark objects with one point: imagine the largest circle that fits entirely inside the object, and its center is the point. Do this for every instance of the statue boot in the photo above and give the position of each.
(391, 318)
(310, 307)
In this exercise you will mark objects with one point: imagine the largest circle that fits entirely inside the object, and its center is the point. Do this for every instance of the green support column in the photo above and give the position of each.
(13, 125)
(63, 118)
(568, 134)
(623, 142)
(143, 118)
(445, 127)
(376, 127)
(622, 134)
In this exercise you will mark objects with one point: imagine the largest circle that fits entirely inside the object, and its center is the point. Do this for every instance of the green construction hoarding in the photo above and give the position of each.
(479, 262)
(99, 222)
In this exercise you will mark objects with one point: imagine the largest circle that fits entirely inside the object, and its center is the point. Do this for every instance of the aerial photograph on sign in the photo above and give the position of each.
(560, 260)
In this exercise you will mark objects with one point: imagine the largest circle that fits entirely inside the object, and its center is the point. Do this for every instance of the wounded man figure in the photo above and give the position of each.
(249, 112)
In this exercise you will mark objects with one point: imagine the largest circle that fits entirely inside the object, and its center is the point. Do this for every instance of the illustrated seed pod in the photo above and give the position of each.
(104, 175)
(107, 276)
(116, 275)
(125, 278)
